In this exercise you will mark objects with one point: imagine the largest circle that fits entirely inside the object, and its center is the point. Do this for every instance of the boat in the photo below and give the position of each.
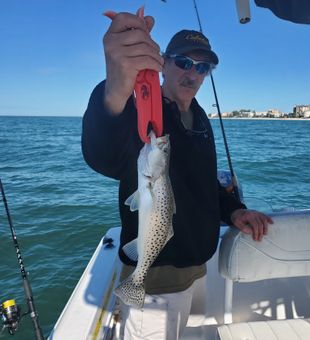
(255, 290)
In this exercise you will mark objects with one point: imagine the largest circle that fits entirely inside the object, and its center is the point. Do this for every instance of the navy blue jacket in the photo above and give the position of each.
(111, 147)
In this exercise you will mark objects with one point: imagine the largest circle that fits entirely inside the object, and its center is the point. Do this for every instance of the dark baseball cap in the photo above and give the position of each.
(189, 40)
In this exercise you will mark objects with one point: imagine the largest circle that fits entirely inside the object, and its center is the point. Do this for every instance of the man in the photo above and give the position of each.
(111, 146)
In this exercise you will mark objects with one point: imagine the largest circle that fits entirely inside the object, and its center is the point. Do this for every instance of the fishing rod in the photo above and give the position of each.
(9, 311)
(232, 173)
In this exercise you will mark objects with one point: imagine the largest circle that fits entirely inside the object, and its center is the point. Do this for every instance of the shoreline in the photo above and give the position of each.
(226, 118)
(240, 118)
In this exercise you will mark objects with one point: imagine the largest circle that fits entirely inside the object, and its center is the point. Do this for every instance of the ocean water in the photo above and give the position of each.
(61, 208)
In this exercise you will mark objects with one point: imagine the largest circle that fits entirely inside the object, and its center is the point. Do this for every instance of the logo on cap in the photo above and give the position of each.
(197, 38)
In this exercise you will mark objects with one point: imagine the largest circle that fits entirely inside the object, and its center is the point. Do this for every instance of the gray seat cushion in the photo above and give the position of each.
(284, 252)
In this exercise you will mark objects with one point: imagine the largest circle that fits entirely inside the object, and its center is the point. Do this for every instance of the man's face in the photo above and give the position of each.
(182, 85)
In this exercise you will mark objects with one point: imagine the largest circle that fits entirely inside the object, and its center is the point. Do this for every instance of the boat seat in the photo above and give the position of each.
(296, 329)
(283, 253)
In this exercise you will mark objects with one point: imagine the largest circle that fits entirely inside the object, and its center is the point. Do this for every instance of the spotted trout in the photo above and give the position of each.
(155, 203)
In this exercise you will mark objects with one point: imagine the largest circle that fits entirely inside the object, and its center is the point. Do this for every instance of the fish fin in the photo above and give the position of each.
(133, 201)
(174, 205)
(130, 293)
(131, 249)
(170, 233)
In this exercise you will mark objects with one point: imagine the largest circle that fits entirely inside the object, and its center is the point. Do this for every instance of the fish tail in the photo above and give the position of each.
(131, 293)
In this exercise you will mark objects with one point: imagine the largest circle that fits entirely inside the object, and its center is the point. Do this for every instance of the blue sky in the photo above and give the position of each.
(52, 56)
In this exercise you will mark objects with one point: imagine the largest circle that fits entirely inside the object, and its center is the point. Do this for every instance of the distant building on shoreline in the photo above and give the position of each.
(302, 111)
(274, 113)
(299, 111)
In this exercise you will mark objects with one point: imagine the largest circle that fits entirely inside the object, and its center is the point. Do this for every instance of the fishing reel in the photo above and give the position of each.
(10, 315)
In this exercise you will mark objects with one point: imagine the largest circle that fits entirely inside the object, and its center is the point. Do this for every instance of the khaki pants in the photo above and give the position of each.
(163, 317)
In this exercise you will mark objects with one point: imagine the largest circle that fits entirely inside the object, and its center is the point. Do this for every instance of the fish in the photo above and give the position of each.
(155, 203)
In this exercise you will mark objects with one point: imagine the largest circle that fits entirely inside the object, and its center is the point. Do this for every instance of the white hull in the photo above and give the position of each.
(89, 312)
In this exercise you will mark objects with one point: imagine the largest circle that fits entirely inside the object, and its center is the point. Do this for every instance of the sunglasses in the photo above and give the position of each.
(186, 63)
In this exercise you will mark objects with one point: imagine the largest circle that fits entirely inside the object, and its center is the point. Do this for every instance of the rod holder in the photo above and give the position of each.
(243, 10)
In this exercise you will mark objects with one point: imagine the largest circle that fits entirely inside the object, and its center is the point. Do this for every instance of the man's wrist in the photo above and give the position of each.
(114, 105)
(236, 212)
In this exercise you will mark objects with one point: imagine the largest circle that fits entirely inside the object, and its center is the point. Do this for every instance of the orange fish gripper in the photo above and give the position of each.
(148, 97)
